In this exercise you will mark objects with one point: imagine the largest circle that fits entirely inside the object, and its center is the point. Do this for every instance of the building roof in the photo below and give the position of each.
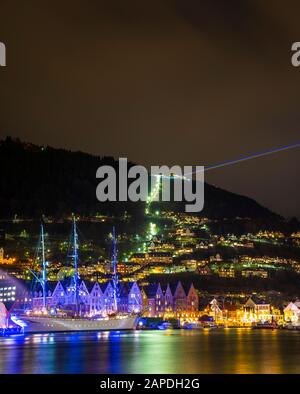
(124, 289)
(151, 290)
(250, 303)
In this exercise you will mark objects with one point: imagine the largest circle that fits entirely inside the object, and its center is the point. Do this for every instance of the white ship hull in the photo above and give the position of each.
(37, 324)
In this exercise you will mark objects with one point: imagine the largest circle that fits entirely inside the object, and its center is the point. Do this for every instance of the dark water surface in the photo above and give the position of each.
(178, 351)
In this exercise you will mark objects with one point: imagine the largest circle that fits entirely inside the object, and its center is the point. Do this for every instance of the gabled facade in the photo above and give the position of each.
(256, 312)
(180, 298)
(123, 298)
(292, 313)
(169, 301)
(59, 296)
(109, 299)
(84, 298)
(215, 310)
(149, 298)
(97, 305)
(159, 301)
(135, 299)
(192, 300)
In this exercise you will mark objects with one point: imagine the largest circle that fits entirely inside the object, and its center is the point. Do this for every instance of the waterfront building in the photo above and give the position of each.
(292, 313)
(170, 301)
(154, 300)
(109, 299)
(135, 299)
(192, 300)
(37, 299)
(94, 298)
(231, 313)
(215, 311)
(180, 298)
(123, 297)
(59, 297)
(256, 312)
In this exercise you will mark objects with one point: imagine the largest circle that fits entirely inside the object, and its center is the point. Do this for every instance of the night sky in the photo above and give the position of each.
(160, 82)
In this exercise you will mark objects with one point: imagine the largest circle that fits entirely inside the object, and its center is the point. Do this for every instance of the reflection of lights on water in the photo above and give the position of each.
(103, 335)
(41, 338)
(136, 335)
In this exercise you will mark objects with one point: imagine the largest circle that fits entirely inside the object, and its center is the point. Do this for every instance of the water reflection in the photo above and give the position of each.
(215, 351)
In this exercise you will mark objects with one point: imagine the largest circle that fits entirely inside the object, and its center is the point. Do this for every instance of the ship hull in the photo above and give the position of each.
(46, 324)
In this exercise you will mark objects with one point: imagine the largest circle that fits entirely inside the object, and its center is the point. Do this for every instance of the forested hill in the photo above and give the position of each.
(37, 180)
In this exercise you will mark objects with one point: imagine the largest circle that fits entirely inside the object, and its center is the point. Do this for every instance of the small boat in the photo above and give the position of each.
(210, 326)
(5, 332)
(192, 326)
(264, 326)
(165, 326)
(292, 327)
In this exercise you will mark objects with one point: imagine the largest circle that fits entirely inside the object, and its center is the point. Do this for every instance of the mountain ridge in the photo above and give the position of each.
(41, 179)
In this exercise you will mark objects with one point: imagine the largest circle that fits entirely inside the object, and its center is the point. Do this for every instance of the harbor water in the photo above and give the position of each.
(171, 351)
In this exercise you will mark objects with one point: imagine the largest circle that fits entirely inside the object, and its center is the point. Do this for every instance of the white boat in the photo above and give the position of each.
(38, 324)
(41, 321)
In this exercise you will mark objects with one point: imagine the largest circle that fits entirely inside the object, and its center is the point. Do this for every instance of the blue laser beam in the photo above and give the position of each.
(240, 160)
(253, 156)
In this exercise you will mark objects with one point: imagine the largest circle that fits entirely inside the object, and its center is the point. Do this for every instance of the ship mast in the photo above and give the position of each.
(115, 272)
(75, 260)
(44, 268)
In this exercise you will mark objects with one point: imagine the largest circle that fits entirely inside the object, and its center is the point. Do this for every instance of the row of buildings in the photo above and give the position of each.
(154, 300)
(249, 313)
(94, 298)
(169, 301)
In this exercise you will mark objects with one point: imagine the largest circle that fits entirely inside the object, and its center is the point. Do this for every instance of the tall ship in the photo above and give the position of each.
(45, 316)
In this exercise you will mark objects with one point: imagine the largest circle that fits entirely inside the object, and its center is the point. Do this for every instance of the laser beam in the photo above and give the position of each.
(250, 157)
(241, 159)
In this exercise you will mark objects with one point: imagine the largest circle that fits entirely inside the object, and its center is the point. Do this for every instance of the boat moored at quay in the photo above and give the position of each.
(40, 324)
(43, 317)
